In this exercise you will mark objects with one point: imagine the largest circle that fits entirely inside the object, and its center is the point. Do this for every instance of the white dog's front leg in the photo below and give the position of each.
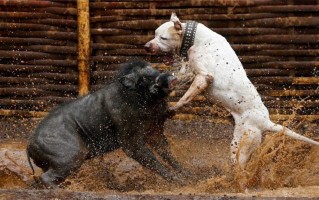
(199, 84)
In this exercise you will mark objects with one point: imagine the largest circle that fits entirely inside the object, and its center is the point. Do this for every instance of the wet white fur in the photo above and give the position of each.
(212, 56)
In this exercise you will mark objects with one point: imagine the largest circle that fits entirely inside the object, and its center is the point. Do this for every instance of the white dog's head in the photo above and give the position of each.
(167, 37)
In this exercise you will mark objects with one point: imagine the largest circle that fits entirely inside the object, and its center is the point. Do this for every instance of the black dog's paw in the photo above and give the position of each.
(182, 180)
(36, 183)
(178, 179)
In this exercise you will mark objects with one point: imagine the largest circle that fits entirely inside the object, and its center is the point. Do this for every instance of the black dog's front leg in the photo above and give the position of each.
(142, 154)
(159, 143)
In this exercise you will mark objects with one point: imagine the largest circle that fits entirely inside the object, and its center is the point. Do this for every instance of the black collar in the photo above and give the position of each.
(188, 37)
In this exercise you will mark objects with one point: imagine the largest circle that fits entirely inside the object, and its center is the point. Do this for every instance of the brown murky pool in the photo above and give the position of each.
(281, 167)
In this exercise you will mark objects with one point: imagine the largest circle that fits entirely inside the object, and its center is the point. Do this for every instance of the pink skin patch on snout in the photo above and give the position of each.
(151, 47)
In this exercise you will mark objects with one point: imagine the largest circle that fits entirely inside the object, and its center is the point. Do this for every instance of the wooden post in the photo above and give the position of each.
(84, 48)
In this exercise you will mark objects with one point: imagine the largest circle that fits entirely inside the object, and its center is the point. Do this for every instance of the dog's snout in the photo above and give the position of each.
(150, 47)
(147, 47)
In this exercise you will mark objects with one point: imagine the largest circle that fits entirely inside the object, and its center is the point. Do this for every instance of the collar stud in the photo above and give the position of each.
(188, 38)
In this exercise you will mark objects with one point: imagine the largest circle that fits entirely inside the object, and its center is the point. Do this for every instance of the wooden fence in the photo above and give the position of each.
(276, 40)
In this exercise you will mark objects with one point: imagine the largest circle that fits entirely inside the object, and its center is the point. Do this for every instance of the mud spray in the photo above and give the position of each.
(203, 148)
(279, 162)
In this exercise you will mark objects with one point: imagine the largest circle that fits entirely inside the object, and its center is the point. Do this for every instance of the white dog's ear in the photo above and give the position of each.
(177, 23)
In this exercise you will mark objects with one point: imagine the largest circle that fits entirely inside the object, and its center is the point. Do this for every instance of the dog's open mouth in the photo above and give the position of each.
(172, 82)
(168, 59)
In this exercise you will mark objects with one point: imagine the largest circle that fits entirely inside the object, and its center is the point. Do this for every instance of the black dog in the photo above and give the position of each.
(123, 114)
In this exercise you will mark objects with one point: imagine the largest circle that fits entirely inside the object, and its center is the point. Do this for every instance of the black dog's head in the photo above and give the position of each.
(164, 83)
(145, 80)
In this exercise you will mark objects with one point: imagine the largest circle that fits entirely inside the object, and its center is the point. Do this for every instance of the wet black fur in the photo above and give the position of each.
(124, 114)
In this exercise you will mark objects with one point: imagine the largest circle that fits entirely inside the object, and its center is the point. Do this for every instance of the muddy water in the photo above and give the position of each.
(279, 162)
(281, 166)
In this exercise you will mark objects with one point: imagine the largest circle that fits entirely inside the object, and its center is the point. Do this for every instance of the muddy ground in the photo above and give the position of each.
(280, 167)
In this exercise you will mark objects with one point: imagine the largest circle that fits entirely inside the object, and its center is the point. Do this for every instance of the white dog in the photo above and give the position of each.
(221, 75)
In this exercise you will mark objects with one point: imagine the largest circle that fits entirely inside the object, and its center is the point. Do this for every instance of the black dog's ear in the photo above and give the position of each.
(129, 81)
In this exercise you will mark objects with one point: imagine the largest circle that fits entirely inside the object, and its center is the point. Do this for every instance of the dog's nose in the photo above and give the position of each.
(147, 47)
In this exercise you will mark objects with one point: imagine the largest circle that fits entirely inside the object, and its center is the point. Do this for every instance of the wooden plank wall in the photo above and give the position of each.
(276, 40)
(38, 60)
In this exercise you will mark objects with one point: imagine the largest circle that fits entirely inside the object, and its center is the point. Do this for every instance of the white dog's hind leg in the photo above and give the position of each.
(234, 145)
(247, 135)
(278, 128)
(199, 84)
(249, 142)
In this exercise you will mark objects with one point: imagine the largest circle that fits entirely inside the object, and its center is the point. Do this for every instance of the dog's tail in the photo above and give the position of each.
(279, 128)
(29, 161)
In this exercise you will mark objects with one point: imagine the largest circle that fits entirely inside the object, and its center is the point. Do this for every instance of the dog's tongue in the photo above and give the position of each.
(168, 60)
(172, 82)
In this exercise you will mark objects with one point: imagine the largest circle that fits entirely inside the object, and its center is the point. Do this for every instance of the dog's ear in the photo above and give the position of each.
(177, 23)
(129, 81)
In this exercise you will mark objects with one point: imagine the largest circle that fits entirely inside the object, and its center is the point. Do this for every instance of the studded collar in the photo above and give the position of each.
(188, 38)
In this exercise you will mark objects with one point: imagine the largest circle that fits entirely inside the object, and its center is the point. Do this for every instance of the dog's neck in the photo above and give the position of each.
(188, 38)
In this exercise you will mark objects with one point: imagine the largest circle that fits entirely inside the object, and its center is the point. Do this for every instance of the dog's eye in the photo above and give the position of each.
(145, 79)
(164, 38)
